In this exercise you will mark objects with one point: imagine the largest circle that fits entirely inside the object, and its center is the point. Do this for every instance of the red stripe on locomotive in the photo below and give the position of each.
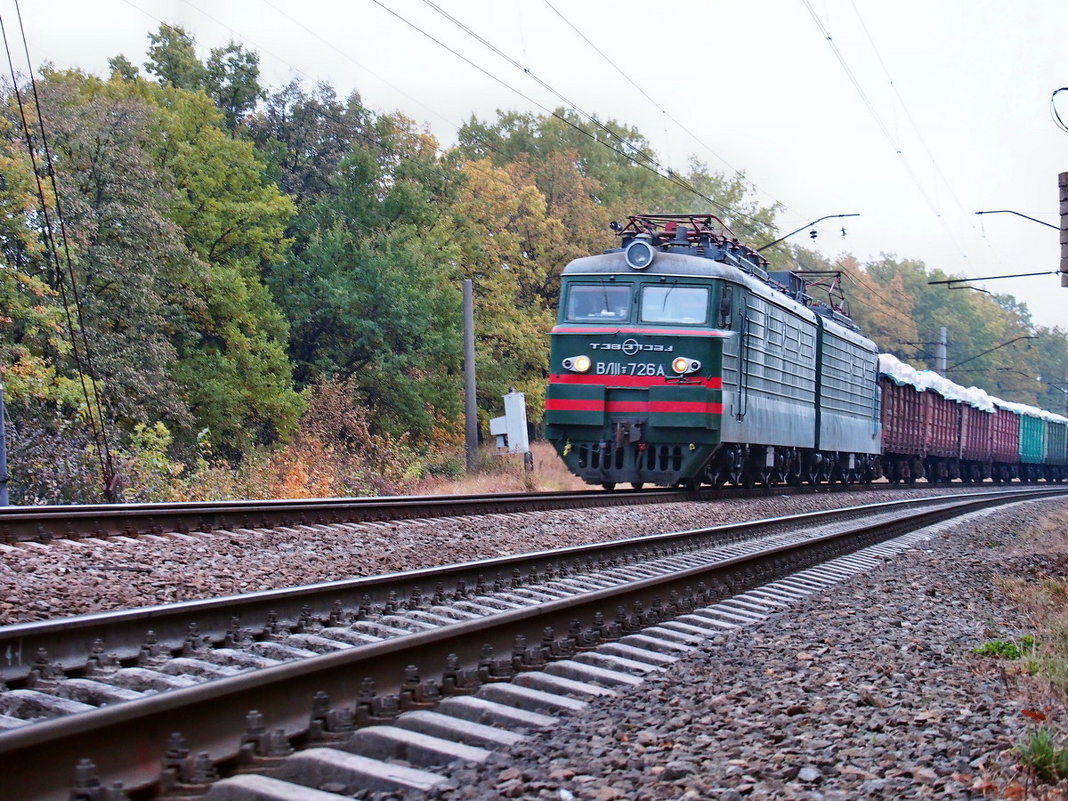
(674, 332)
(712, 382)
(690, 407)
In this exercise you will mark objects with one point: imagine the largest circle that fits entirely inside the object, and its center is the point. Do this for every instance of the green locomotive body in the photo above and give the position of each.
(678, 359)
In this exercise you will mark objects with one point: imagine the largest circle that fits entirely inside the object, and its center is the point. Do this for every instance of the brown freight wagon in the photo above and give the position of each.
(942, 437)
(902, 441)
(921, 433)
(976, 442)
(1004, 444)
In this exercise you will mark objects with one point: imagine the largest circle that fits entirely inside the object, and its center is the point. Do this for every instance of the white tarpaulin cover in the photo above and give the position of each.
(902, 374)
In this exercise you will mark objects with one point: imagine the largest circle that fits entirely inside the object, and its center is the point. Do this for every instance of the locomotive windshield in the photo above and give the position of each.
(675, 304)
(588, 302)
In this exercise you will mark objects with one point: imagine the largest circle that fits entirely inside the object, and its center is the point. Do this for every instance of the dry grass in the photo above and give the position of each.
(505, 473)
(1040, 591)
(1038, 586)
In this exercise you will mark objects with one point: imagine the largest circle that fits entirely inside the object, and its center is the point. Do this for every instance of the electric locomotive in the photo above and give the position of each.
(677, 358)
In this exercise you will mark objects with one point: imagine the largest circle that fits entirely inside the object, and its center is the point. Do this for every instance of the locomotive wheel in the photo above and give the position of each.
(609, 486)
(748, 479)
(637, 484)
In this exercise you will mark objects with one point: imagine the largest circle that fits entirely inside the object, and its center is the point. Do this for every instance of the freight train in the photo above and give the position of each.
(678, 358)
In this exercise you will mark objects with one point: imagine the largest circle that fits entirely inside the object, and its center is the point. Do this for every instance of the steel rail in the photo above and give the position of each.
(45, 523)
(69, 641)
(124, 741)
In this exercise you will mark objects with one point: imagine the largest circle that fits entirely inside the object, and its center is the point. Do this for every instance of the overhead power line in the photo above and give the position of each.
(905, 108)
(652, 166)
(1053, 109)
(645, 161)
(877, 118)
(652, 100)
(372, 140)
(919, 134)
(64, 270)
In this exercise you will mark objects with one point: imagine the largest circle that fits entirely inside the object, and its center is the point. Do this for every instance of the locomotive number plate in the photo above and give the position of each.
(629, 368)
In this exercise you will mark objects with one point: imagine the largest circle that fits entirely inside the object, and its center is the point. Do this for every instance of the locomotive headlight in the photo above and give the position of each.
(683, 365)
(639, 253)
(578, 364)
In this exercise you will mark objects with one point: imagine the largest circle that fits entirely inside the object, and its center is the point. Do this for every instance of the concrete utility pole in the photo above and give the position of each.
(1062, 185)
(470, 408)
(940, 351)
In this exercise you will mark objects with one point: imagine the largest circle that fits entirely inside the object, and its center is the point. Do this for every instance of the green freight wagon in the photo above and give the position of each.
(1056, 447)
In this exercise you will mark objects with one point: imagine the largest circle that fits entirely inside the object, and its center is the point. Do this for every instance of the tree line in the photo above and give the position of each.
(260, 290)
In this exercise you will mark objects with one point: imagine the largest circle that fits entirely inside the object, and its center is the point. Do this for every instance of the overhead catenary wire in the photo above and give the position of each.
(916, 129)
(1053, 109)
(652, 100)
(639, 154)
(387, 149)
(64, 272)
(642, 158)
(297, 70)
(905, 108)
(877, 118)
(861, 278)
(671, 176)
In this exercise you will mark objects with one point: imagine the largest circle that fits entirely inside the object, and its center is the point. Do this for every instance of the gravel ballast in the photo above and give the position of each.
(72, 577)
(869, 690)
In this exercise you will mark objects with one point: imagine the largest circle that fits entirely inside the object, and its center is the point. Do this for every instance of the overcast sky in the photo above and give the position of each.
(913, 114)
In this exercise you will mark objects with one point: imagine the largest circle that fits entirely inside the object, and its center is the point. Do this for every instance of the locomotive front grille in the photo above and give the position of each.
(604, 462)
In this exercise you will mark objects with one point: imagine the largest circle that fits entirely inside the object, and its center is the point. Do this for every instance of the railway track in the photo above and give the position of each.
(318, 664)
(42, 524)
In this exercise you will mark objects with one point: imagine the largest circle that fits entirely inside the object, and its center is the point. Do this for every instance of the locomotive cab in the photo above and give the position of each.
(677, 359)
(635, 360)
(635, 391)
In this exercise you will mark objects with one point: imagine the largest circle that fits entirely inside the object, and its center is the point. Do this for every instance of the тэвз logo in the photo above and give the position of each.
(632, 346)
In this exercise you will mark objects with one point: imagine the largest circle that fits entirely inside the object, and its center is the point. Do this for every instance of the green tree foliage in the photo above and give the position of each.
(591, 173)
(32, 336)
(502, 230)
(303, 136)
(1050, 361)
(233, 366)
(172, 58)
(373, 296)
(610, 153)
(231, 79)
(169, 222)
(230, 252)
(122, 67)
(991, 340)
(130, 261)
